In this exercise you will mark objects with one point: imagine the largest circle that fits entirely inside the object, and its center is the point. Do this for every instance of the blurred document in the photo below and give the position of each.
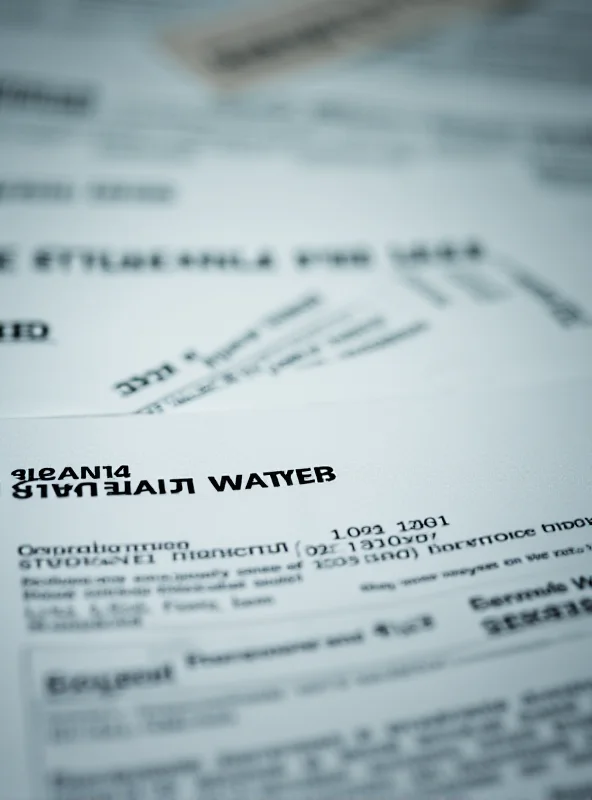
(519, 47)
(263, 41)
(357, 601)
(116, 350)
(354, 285)
(186, 345)
(530, 331)
(129, 124)
(100, 75)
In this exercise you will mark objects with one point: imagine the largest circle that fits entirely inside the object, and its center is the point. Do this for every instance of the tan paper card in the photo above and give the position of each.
(269, 39)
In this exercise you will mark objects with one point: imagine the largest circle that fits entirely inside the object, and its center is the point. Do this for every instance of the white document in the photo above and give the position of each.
(376, 602)
(92, 298)
(151, 309)
(454, 314)
(119, 349)
(533, 332)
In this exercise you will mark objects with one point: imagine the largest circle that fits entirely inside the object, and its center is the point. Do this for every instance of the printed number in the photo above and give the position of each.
(353, 533)
(420, 524)
(327, 563)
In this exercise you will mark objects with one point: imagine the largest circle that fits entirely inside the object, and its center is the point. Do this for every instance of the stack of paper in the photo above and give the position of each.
(350, 240)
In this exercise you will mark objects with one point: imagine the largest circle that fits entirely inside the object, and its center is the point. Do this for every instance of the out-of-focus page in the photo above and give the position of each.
(155, 128)
(358, 601)
(498, 85)
(516, 47)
